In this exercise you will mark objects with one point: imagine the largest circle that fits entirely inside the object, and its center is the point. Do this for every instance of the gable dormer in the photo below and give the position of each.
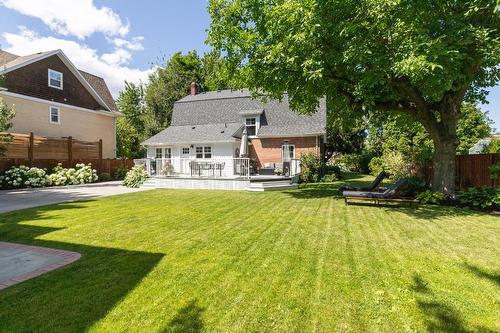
(52, 79)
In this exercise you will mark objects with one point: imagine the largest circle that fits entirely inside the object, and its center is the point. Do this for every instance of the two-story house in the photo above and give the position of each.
(209, 128)
(53, 98)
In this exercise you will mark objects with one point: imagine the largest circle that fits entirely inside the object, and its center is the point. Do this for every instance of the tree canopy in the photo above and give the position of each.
(422, 58)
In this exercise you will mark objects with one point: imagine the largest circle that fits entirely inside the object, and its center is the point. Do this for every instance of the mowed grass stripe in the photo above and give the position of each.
(217, 261)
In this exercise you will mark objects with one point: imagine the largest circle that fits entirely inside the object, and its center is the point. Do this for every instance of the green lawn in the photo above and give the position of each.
(223, 261)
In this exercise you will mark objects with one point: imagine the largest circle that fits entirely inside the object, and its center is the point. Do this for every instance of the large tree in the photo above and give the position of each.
(168, 84)
(131, 128)
(419, 57)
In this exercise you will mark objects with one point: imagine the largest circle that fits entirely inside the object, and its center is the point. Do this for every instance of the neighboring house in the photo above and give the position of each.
(482, 144)
(52, 98)
(209, 126)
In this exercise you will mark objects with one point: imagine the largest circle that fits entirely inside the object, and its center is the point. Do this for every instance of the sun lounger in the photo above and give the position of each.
(388, 195)
(376, 182)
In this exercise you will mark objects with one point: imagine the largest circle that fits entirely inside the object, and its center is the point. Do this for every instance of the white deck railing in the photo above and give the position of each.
(187, 167)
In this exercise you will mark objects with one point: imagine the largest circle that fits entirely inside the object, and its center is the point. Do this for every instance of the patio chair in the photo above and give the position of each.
(388, 195)
(376, 182)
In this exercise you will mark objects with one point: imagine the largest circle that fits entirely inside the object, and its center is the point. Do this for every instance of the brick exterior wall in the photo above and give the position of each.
(32, 80)
(268, 150)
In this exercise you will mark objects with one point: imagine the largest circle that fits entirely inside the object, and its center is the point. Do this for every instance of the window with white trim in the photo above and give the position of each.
(55, 79)
(203, 152)
(185, 151)
(208, 152)
(288, 152)
(159, 152)
(168, 153)
(54, 115)
(251, 125)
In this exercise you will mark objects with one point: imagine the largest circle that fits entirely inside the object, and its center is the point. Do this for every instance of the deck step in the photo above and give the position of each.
(261, 186)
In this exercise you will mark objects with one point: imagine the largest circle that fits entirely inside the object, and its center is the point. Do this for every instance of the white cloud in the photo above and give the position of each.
(80, 18)
(134, 45)
(111, 66)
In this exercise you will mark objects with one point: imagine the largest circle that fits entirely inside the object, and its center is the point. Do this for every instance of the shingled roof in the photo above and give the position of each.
(228, 106)
(212, 133)
(9, 60)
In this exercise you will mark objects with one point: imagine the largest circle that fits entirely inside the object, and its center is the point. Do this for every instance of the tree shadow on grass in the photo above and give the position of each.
(439, 317)
(479, 272)
(187, 320)
(74, 297)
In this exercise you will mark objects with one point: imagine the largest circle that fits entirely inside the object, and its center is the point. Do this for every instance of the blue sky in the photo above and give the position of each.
(118, 40)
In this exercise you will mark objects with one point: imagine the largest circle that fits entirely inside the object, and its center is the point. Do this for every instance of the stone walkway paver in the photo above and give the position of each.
(20, 262)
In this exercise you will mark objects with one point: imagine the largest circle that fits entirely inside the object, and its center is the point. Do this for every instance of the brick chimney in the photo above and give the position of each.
(193, 88)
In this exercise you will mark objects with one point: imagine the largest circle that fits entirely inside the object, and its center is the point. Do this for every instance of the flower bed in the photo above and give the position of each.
(23, 176)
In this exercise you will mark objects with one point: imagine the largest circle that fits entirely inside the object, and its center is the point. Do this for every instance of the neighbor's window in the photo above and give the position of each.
(185, 151)
(55, 79)
(159, 153)
(251, 126)
(168, 152)
(54, 115)
(204, 152)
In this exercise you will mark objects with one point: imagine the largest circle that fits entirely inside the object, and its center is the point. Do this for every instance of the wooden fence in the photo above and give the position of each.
(42, 152)
(471, 171)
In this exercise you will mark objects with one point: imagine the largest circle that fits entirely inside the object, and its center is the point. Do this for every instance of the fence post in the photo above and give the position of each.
(70, 151)
(30, 149)
(100, 155)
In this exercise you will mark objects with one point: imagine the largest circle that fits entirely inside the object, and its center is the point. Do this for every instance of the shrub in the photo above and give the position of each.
(80, 174)
(480, 198)
(495, 171)
(104, 177)
(413, 187)
(120, 173)
(493, 147)
(376, 166)
(354, 162)
(23, 176)
(135, 177)
(397, 166)
(429, 197)
(315, 170)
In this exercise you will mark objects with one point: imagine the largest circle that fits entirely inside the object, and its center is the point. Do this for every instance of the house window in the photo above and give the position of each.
(185, 151)
(251, 126)
(159, 153)
(204, 152)
(288, 152)
(208, 152)
(54, 115)
(168, 153)
(55, 79)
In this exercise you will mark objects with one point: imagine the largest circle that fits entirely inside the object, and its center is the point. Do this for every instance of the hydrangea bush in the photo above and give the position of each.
(23, 176)
(135, 177)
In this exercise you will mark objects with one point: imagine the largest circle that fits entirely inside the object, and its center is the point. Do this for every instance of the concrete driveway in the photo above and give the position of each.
(19, 199)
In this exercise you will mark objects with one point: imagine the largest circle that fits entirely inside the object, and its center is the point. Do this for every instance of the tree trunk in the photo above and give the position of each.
(443, 179)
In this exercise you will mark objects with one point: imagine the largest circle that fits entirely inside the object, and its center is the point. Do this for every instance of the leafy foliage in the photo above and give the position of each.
(483, 197)
(355, 162)
(314, 169)
(495, 171)
(493, 147)
(430, 197)
(6, 115)
(120, 173)
(422, 58)
(23, 176)
(135, 177)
